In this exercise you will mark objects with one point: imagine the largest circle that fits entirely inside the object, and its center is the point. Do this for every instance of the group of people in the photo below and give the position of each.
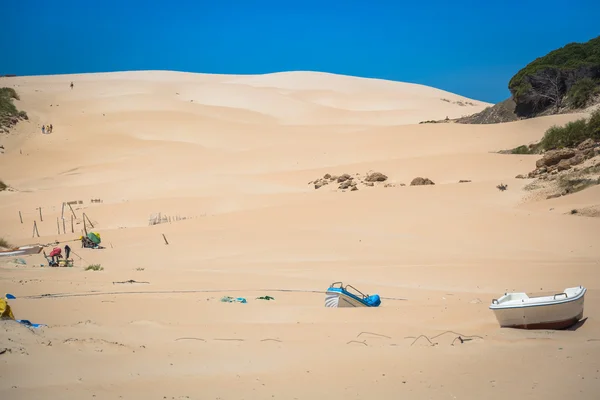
(56, 255)
(47, 128)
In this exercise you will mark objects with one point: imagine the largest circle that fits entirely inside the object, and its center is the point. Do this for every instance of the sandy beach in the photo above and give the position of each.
(231, 162)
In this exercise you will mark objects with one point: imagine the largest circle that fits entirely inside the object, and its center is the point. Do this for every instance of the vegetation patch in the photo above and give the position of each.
(9, 114)
(573, 185)
(94, 267)
(583, 91)
(573, 133)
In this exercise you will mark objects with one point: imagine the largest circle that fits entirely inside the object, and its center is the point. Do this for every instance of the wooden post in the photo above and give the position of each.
(88, 220)
(64, 228)
(35, 230)
(62, 213)
(164, 237)
(72, 211)
(20, 217)
(84, 225)
(41, 219)
(72, 227)
(57, 225)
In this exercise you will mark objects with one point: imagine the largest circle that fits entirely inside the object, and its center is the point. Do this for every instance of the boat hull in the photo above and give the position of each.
(337, 299)
(21, 251)
(557, 315)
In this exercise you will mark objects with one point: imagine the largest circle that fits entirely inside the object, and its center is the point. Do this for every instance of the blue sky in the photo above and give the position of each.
(467, 47)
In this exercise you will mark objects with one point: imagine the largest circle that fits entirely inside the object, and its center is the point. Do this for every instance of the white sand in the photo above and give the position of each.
(234, 155)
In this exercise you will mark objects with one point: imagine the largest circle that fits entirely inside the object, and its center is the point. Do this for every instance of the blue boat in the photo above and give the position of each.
(338, 295)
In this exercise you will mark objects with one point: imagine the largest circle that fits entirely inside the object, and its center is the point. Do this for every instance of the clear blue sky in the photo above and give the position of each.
(468, 47)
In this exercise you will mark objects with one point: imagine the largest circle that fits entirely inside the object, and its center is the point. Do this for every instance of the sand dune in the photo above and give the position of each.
(229, 159)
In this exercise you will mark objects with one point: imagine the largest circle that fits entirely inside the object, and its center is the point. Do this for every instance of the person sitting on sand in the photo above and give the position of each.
(43, 129)
(55, 254)
(71, 85)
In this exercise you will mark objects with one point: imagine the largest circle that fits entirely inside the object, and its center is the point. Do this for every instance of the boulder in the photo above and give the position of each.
(327, 176)
(376, 177)
(353, 188)
(464, 181)
(418, 181)
(564, 164)
(553, 157)
(576, 160)
(320, 183)
(370, 184)
(345, 184)
(589, 153)
(586, 144)
(343, 178)
(519, 177)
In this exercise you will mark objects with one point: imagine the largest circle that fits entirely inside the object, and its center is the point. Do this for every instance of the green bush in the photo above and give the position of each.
(593, 125)
(582, 91)
(564, 136)
(8, 111)
(9, 93)
(572, 133)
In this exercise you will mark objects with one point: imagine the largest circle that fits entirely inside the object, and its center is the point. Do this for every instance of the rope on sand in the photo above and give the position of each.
(86, 294)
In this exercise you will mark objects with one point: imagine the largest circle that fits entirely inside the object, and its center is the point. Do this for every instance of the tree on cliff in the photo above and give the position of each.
(547, 86)
(545, 81)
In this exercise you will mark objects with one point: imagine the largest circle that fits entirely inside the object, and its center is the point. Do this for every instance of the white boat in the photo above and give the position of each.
(558, 311)
(21, 251)
(338, 295)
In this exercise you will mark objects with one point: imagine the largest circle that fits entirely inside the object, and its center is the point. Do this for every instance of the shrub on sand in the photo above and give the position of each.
(94, 267)
(572, 133)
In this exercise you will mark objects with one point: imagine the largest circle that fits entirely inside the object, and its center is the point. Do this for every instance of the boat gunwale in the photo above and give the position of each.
(495, 307)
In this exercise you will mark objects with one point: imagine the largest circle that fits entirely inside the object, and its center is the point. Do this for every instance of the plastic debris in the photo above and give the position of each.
(228, 299)
(30, 324)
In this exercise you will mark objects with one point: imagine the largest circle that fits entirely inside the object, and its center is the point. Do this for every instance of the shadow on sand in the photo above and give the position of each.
(578, 325)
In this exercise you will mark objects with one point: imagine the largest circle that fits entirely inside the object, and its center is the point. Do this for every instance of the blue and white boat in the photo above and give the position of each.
(338, 295)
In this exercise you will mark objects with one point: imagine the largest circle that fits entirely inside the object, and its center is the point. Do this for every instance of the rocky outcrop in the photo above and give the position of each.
(376, 177)
(498, 113)
(553, 157)
(348, 182)
(555, 161)
(418, 181)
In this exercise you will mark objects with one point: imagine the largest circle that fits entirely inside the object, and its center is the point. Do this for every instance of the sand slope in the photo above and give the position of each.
(233, 155)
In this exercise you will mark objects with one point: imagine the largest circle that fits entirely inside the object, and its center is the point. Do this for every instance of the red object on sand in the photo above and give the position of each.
(55, 252)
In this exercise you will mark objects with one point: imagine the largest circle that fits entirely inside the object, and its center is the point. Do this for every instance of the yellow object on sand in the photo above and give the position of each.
(5, 311)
